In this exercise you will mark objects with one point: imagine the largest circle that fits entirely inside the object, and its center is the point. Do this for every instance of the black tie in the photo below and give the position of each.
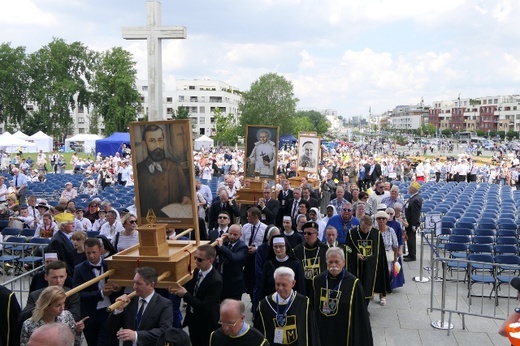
(220, 233)
(95, 267)
(197, 284)
(139, 313)
(252, 235)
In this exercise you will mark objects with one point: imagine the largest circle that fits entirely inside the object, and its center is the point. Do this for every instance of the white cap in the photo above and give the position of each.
(382, 206)
(51, 256)
(278, 240)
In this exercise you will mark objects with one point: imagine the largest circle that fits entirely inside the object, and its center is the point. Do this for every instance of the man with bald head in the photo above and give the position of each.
(52, 334)
(232, 254)
(234, 330)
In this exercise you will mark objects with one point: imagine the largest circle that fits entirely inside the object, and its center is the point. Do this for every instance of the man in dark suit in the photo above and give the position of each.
(38, 280)
(293, 203)
(269, 207)
(376, 171)
(61, 242)
(412, 212)
(144, 318)
(223, 204)
(306, 195)
(232, 254)
(202, 294)
(97, 297)
(284, 196)
(224, 219)
(55, 275)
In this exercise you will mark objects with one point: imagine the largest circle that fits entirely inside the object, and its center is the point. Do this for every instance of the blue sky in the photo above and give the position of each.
(347, 55)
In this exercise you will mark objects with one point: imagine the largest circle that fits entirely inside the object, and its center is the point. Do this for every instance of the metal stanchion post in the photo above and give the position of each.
(442, 324)
(421, 278)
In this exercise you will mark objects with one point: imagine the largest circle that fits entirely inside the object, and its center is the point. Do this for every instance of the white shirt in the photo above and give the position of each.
(258, 236)
(110, 231)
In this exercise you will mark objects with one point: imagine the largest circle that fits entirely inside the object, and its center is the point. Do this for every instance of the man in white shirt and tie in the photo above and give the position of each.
(253, 235)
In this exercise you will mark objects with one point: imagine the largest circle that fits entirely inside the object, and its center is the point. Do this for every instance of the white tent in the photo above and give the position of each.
(20, 135)
(10, 144)
(42, 141)
(203, 141)
(88, 142)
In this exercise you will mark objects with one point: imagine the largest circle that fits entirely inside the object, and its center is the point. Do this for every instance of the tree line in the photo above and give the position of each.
(60, 77)
(269, 101)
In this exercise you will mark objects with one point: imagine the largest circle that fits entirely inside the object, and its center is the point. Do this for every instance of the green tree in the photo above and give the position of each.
(13, 83)
(115, 97)
(181, 113)
(318, 122)
(269, 101)
(225, 128)
(428, 129)
(59, 75)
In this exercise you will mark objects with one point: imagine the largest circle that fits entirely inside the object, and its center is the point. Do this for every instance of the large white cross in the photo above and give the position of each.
(153, 33)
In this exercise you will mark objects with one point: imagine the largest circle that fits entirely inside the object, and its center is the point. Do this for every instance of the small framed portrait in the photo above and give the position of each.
(261, 151)
(164, 174)
(308, 151)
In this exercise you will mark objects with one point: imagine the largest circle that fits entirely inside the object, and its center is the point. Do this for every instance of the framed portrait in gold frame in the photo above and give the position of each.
(164, 175)
(261, 155)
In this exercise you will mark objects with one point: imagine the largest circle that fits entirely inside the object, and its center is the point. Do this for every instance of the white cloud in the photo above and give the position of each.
(307, 60)
(23, 12)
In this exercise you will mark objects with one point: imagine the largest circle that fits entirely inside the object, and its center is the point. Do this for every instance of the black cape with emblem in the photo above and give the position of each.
(251, 337)
(341, 312)
(373, 271)
(300, 327)
(313, 260)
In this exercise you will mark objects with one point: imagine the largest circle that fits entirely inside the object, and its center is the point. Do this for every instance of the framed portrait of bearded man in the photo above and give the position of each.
(164, 175)
(261, 151)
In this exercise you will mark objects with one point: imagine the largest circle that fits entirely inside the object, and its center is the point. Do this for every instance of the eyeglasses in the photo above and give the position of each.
(132, 221)
(198, 259)
(228, 324)
(223, 217)
(278, 246)
(346, 209)
(390, 213)
(381, 218)
(310, 233)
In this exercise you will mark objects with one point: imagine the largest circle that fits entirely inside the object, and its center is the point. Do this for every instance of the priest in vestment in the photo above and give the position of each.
(366, 258)
(286, 317)
(339, 303)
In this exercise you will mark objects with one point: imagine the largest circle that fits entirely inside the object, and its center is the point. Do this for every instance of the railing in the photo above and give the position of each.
(452, 291)
(18, 266)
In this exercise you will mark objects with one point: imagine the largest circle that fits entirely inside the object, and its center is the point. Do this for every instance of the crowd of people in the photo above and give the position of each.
(308, 256)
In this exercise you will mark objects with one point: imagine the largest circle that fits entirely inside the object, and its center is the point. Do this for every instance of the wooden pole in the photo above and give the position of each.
(189, 230)
(90, 282)
(118, 303)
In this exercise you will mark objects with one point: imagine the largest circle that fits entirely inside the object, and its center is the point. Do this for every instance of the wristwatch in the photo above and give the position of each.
(517, 310)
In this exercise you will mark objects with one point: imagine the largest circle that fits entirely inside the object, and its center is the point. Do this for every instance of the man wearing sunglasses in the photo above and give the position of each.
(223, 221)
(202, 294)
(344, 221)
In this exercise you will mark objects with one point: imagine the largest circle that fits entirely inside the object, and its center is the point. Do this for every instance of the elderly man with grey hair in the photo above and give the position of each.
(291, 312)
(339, 303)
(391, 200)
